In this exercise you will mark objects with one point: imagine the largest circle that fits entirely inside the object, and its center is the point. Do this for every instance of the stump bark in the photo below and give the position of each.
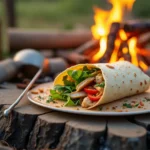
(32, 127)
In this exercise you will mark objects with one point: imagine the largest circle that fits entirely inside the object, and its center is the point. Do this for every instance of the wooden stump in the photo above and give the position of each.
(125, 135)
(144, 120)
(32, 127)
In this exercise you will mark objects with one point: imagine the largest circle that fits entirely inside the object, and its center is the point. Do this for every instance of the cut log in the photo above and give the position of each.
(144, 120)
(20, 39)
(16, 128)
(83, 132)
(67, 131)
(47, 131)
(123, 135)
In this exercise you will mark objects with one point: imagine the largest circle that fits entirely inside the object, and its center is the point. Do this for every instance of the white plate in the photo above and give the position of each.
(107, 108)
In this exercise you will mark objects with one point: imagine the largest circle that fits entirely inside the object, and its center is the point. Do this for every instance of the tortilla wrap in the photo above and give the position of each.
(122, 79)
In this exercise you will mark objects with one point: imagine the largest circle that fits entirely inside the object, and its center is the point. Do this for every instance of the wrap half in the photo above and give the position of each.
(122, 79)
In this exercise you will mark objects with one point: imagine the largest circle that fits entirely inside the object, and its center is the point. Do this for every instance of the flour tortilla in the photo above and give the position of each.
(122, 79)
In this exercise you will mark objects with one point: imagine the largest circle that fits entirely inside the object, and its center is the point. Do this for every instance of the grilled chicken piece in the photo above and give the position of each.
(99, 78)
(86, 102)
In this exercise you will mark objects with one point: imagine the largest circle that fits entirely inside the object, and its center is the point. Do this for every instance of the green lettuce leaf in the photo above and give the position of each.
(70, 102)
(55, 95)
(102, 85)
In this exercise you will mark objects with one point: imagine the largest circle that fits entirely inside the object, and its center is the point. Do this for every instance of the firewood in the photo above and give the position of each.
(136, 26)
(89, 45)
(143, 40)
(148, 71)
(141, 58)
(114, 29)
(20, 39)
(145, 54)
(73, 57)
(126, 56)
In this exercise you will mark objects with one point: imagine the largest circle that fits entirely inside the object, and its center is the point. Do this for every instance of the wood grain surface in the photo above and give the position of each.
(33, 127)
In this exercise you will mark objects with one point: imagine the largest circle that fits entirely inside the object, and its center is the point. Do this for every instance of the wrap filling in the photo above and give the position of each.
(80, 87)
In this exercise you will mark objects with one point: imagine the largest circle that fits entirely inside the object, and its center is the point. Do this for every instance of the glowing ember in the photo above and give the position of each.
(103, 21)
(122, 35)
(143, 65)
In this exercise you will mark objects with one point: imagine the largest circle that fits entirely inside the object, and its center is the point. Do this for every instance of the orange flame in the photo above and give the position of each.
(132, 49)
(143, 65)
(104, 19)
(103, 45)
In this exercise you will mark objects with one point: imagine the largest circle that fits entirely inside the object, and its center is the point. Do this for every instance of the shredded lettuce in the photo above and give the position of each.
(102, 85)
(62, 92)
(80, 75)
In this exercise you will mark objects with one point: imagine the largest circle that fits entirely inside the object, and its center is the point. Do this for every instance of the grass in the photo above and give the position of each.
(63, 14)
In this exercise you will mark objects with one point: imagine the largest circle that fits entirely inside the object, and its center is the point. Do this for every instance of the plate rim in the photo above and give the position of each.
(81, 112)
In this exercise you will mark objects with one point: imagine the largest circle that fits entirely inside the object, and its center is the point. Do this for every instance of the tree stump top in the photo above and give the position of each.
(33, 127)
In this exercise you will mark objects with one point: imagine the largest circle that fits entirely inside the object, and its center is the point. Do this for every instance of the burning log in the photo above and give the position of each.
(124, 51)
(76, 56)
(142, 62)
(89, 45)
(148, 71)
(114, 29)
(143, 40)
(136, 26)
(145, 53)
(20, 39)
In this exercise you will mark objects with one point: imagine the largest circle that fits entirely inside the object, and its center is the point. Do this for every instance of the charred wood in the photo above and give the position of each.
(73, 57)
(89, 45)
(114, 29)
(136, 26)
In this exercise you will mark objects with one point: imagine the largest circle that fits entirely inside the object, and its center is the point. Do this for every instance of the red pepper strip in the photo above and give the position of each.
(90, 90)
(94, 97)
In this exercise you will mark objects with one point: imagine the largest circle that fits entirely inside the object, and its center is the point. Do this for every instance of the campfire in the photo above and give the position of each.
(119, 39)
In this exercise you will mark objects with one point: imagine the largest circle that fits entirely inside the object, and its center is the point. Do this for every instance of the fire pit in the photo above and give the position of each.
(119, 39)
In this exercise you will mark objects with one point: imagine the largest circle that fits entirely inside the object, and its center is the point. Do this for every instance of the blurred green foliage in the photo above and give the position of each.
(66, 14)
